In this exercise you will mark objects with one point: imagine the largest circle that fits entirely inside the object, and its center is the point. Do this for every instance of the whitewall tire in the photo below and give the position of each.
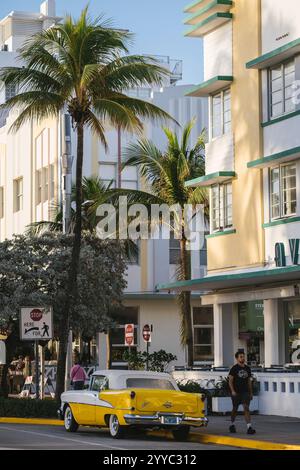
(70, 424)
(115, 429)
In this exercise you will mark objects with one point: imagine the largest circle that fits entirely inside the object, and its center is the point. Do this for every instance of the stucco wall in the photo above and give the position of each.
(245, 248)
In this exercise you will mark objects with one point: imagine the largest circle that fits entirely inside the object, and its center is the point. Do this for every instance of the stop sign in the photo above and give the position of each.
(129, 334)
(147, 333)
(36, 314)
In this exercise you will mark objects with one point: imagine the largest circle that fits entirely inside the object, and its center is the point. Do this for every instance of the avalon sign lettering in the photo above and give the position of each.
(280, 256)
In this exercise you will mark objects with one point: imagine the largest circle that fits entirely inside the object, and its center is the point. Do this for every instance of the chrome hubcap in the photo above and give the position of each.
(114, 425)
(68, 418)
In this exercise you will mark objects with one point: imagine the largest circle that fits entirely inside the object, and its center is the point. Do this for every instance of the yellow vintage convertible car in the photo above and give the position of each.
(119, 400)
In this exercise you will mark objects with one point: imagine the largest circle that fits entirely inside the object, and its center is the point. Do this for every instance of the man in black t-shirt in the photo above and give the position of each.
(241, 391)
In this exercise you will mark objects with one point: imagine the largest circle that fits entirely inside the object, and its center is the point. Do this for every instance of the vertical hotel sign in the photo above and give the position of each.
(280, 256)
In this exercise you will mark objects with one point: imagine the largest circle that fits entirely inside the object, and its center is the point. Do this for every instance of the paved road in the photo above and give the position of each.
(29, 437)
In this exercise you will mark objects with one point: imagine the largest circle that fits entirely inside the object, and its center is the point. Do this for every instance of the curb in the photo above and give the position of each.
(230, 441)
(194, 437)
(43, 422)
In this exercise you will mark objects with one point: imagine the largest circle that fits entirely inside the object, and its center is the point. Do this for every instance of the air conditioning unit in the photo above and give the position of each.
(4, 48)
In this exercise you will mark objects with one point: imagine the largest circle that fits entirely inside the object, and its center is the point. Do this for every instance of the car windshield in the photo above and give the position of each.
(99, 382)
(141, 382)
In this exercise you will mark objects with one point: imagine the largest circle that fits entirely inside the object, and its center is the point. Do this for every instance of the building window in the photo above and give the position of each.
(203, 251)
(126, 316)
(52, 181)
(39, 187)
(281, 80)
(203, 326)
(221, 113)
(46, 184)
(1, 202)
(221, 206)
(174, 249)
(283, 191)
(134, 251)
(10, 91)
(18, 194)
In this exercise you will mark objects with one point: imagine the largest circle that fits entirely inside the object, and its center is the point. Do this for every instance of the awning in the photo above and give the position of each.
(276, 56)
(252, 279)
(209, 24)
(276, 158)
(211, 86)
(209, 180)
(196, 5)
(214, 6)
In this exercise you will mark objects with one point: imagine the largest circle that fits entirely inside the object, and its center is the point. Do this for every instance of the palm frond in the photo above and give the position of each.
(37, 229)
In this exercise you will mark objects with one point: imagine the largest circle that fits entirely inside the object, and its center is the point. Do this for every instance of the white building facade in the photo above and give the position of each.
(31, 182)
(252, 170)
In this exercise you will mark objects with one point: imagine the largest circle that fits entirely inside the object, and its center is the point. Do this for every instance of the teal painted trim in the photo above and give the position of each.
(221, 234)
(211, 81)
(281, 118)
(208, 7)
(154, 296)
(253, 275)
(274, 158)
(212, 176)
(289, 220)
(192, 5)
(270, 55)
(208, 20)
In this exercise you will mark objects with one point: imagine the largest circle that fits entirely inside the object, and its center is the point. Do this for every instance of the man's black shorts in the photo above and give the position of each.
(241, 399)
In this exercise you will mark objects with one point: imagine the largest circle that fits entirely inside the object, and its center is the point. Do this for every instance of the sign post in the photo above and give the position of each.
(36, 324)
(147, 338)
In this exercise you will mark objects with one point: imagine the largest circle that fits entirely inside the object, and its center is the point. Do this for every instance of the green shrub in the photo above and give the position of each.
(158, 361)
(191, 386)
(27, 408)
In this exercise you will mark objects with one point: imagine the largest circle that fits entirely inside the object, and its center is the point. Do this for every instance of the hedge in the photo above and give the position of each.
(27, 408)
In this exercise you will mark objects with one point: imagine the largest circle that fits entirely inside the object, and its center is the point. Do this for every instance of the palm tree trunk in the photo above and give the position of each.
(186, 313)
(73, 272)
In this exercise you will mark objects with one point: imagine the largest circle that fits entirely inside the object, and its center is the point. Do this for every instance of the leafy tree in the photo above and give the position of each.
(82, 66)
(166, 173)
(34, 271)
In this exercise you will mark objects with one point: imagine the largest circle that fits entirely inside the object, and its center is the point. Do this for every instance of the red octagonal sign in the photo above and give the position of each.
(36, 314)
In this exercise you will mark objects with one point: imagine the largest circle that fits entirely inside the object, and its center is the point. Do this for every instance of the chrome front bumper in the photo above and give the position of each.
(165, 419)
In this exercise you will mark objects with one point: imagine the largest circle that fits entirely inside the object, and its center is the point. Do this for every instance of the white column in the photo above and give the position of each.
(224, 334)
(271, 317)
(101, 351)
(218, 335)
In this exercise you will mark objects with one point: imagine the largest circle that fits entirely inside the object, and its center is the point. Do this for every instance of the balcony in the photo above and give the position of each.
(211, 86)
(215, 6)
(207, 15)
(209, 24)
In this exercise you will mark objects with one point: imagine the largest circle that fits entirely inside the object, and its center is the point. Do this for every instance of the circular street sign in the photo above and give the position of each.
(36, 314)
(147, 333)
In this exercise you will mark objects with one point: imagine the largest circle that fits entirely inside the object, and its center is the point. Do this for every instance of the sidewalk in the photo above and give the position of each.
(268, 428)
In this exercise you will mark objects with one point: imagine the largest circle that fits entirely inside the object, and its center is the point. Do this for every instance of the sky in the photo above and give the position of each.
(157, 25)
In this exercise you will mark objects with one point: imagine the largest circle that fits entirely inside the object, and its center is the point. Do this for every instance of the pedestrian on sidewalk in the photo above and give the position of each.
(78, 376)
(240, 385)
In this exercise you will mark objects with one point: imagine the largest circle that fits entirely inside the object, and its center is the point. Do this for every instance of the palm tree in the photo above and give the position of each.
(166, 173)
(82, 66)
